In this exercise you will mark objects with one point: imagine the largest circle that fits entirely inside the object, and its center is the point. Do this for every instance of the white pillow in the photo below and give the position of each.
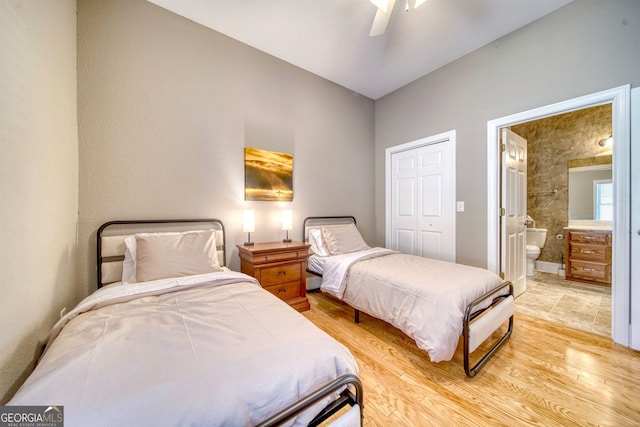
(343, 239)
(152, 256)
(317, 245)
(129, 263)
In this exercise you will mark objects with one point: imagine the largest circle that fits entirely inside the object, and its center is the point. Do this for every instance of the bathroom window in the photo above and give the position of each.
(603, 200)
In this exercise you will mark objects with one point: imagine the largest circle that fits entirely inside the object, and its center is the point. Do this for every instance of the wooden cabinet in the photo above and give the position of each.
(280, 268)
(588, 254)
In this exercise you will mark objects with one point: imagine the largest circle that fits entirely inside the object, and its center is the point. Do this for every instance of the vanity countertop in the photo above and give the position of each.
(589, 227)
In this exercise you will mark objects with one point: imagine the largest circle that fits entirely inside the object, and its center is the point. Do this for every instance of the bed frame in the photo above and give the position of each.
(110, 241)
(110, 255)
(478, 324)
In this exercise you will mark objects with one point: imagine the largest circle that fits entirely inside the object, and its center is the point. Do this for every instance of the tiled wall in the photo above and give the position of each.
(551, 143)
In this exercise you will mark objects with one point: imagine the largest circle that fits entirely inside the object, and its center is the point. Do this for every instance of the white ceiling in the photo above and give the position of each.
(330, 38)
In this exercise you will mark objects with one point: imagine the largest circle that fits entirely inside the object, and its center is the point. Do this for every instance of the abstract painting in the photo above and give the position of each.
(268, 175)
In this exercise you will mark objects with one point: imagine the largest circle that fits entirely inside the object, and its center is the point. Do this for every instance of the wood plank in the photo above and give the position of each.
(546, 374)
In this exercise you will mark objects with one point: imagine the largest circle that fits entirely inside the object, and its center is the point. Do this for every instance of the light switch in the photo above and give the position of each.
(460, 206)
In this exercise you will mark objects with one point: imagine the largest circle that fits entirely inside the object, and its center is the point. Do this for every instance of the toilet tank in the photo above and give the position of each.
(536, 236)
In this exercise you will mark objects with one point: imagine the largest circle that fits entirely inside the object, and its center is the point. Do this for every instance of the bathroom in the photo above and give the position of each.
(552, 143)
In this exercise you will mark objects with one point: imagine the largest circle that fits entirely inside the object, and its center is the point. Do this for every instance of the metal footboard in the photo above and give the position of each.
(504, 301)
(502, 306)
(347, 397)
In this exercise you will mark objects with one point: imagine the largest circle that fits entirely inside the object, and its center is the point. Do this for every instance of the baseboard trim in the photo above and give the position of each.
(548, 267)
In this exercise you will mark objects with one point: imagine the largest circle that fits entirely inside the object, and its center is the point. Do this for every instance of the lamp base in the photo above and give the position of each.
(286, 240)
(248, 243)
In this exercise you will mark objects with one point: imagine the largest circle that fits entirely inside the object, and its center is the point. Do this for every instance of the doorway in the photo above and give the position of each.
(619, 98)
(568, 154)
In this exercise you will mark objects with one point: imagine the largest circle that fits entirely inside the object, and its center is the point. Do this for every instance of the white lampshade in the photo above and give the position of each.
(419, 3)
(248, 224)
(287, 219)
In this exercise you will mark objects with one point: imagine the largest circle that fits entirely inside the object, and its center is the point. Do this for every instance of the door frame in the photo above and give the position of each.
(444, 137)
(635, 219)
(619, 97)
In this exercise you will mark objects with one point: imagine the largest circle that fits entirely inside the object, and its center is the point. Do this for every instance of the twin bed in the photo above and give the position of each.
(434, 302)
(172, 337)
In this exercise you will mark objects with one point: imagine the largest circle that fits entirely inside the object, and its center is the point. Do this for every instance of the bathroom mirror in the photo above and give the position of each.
(591, 189)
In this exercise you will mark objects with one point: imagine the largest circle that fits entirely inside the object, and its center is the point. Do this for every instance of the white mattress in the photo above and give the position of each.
(214, 350)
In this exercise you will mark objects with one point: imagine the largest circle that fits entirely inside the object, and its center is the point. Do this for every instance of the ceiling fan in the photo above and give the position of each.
(385, 7)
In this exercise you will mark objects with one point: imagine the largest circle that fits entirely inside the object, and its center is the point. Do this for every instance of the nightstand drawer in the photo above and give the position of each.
(278, 257)
(280, 274)
(285, 291)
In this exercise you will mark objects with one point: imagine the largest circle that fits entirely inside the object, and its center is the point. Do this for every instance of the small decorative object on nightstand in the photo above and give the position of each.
(280, 267)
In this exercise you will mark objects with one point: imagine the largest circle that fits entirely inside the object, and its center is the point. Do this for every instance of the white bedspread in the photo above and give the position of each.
(424, 298)
(215, 349)
(336, 268)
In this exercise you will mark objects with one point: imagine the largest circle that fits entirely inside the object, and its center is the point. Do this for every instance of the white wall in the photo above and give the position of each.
(38, 178)
(584, 47)
(166, 107)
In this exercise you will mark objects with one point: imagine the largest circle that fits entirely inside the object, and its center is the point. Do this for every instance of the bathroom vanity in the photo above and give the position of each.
(588, 255)
(588, 235)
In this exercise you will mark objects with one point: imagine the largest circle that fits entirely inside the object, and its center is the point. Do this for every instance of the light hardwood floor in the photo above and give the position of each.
(545, 375)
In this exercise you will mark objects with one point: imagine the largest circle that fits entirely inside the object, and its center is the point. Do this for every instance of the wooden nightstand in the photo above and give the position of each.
(280, 268)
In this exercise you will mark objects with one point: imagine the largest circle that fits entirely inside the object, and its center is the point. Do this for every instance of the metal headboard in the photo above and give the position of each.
(318, 221)
(129, 227)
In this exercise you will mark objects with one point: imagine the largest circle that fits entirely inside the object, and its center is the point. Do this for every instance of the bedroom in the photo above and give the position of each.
(85, 143)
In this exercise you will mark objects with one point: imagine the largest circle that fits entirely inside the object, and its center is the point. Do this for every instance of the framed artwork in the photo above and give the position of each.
(268, 175)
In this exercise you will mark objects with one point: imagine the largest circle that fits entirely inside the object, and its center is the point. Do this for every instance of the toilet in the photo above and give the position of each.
(535, 241)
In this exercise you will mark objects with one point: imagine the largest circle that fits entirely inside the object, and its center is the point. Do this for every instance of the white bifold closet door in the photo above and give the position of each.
(422, 199)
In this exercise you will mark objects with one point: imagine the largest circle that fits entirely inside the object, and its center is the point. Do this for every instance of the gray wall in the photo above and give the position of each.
(584, 47)
(38, 179)
(166, 107)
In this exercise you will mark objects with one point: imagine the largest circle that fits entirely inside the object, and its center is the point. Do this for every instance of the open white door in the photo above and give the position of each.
(514, 210)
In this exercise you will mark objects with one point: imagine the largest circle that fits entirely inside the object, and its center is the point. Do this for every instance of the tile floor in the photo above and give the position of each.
(578, 305)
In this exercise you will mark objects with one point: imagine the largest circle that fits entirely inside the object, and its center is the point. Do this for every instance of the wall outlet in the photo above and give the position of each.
(460, 206)
(63, 312)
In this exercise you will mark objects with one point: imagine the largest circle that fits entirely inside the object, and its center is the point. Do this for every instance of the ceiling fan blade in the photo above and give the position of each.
(381, 20)
(380, 4)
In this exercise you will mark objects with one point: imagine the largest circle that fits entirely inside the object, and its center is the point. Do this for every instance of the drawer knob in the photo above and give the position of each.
(282, 273)
(281, 290)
